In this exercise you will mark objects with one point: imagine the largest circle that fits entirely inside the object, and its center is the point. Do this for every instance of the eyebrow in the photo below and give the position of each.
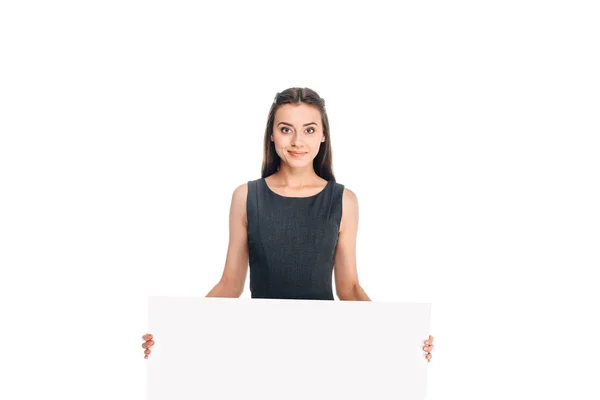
(285, 123)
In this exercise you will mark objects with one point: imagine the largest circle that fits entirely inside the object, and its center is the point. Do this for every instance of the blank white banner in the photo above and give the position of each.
(234, 349)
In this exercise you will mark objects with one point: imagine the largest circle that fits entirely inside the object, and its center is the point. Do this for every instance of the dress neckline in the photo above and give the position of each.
(294, 198)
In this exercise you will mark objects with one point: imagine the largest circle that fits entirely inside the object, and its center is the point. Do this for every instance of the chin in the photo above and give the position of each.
(299, 164)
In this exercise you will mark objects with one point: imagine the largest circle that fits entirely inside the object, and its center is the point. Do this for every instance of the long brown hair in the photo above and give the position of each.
(322, 162)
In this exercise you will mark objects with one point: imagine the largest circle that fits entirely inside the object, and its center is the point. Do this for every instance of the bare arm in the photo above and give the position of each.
(345, 270)
(236, 264)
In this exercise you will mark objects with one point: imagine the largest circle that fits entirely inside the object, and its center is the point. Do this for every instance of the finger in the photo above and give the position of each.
(147, 352)
(148, 344)
(147, 336)
(428, 342)
(431, 338)
(427, 348)
(428, 357)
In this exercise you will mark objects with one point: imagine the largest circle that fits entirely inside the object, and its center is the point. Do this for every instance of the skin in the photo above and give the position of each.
(297, 129)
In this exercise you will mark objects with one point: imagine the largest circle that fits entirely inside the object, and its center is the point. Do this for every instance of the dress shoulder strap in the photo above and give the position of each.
(252, 201)
(335, 205)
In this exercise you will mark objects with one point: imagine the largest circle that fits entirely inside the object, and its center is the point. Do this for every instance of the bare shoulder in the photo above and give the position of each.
(238, 202)
(240, 193)
(349, 211)
(349, 198)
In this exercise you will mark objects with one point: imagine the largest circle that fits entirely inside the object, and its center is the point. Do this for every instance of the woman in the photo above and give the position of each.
(296, 226)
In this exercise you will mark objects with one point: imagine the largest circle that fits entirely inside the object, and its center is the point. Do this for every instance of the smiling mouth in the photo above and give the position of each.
(296, 153)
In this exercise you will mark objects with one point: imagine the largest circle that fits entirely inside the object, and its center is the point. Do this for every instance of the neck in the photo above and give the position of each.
(296, 177)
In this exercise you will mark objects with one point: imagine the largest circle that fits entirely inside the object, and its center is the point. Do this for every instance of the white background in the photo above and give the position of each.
(468, 130)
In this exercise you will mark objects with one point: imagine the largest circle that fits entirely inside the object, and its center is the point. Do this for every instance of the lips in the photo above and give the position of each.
(296, 153)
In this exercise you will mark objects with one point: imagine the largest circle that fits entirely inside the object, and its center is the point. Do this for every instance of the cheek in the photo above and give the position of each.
(280, 146)
(280, 140)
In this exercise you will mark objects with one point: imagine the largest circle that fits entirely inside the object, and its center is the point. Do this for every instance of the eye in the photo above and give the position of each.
(313, 130)
(284, 128)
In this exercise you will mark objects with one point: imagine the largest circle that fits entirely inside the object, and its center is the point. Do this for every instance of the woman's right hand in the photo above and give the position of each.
(148, 342)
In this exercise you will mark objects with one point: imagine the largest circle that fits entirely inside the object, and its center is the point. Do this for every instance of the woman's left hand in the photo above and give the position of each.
(428, 348)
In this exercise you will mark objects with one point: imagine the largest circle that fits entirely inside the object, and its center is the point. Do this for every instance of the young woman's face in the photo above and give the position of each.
(297, 134)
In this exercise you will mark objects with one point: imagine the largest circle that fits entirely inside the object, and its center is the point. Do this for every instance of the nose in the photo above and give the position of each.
(295, 139)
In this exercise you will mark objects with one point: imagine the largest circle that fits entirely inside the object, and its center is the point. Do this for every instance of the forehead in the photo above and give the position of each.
(298, 114)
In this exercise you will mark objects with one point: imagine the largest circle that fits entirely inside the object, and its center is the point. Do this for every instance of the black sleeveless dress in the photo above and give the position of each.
(292, 242)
